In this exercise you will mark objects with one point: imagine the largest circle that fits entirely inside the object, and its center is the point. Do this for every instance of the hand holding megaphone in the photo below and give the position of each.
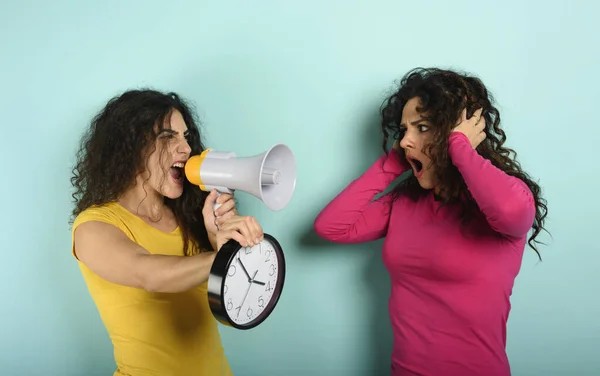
(237, 270)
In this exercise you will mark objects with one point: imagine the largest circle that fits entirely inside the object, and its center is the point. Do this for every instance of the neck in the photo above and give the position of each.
(143, 201)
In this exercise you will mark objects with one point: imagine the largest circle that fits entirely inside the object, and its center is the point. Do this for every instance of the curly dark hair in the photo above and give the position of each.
(113, 150)
(443, 95)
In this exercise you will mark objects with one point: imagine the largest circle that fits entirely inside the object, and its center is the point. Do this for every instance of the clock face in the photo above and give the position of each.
(252, 281)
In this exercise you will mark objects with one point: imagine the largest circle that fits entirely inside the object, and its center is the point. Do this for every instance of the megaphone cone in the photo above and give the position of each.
(269, 176)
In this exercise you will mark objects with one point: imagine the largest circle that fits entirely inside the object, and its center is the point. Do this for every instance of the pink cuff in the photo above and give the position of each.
(458, 137)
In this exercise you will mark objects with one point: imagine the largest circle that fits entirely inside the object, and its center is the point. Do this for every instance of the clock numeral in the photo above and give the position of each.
(268, 253)
(261, 302)
(248, 250)
(225, 290)
(249, 312)
(229, 304)
(238, 310)
(268, 287)
(272, 269)
(232, 270)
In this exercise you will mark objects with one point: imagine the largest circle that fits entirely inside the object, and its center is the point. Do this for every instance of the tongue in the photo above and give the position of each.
(175, 173)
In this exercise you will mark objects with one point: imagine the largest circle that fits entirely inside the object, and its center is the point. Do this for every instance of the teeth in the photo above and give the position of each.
(178, 165)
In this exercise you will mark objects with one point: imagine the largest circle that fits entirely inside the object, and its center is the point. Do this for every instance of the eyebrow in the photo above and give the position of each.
(170, 131)
(416, 122)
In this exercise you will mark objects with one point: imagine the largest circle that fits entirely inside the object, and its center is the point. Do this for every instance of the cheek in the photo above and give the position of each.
(156, 169)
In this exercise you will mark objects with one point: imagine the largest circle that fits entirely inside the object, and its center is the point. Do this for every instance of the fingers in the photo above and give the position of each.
(227, 204)
(482, 137)
(481, 124)
(248, 231)
(224, 197)
(209, 202)
(224, 236)
(225, 217)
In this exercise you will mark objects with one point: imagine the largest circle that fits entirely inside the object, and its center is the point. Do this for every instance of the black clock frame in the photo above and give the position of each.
(218, 271)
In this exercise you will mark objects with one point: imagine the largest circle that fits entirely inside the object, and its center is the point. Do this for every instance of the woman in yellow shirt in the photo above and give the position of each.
(145, 238)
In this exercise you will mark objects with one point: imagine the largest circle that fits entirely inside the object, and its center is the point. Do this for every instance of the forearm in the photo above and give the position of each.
(212, 238)
(353, 216)
(164, 273)
(505, 200)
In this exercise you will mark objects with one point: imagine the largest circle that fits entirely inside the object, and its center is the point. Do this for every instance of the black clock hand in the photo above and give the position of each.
(245, 296)
(244, 268)
(258, 282)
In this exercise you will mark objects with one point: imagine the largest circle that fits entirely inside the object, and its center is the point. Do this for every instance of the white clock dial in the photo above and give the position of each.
(250, 282)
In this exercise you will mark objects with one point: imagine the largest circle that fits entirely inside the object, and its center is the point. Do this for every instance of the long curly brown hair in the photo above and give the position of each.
(443, 95)
(114, 149)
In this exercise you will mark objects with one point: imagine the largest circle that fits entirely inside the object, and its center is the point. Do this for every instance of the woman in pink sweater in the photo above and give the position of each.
(455, 229)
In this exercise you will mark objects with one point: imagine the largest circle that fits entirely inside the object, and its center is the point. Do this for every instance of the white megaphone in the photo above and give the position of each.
(270, 176)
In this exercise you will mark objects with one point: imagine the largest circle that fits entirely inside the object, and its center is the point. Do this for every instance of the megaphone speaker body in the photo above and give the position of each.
(245, 283)
(270, 176)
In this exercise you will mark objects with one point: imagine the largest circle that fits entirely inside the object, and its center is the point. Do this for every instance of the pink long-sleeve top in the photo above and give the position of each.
(451, 286)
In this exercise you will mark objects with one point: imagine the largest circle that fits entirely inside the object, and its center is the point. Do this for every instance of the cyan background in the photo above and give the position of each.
(311, 74)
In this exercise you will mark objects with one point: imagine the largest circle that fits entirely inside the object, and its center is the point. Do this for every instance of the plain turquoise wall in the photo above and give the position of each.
(312, 75)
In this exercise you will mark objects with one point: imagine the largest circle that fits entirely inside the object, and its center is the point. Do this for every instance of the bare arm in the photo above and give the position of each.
(110, 254)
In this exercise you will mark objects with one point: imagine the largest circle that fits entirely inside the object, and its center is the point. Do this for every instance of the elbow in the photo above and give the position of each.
(320, 228)
(325, 230)
(146, 278)
(516, 220)
(341, 235)
(149, 283)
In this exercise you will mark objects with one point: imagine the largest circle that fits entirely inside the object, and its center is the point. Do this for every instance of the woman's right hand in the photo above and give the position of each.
(243, 229)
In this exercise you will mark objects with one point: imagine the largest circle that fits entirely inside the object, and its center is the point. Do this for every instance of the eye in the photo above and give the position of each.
(423, 128)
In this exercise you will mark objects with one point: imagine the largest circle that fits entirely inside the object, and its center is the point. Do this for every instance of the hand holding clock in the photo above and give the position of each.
(243, 229)
(245, 252)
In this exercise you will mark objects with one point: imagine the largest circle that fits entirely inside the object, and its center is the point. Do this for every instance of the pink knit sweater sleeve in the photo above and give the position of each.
(353, 216)
(505, 200)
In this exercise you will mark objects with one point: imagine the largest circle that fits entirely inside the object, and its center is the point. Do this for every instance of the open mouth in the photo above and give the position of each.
(416, 165)
(177, 172)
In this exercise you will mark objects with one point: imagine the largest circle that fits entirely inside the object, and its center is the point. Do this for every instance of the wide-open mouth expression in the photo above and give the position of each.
(416, 135)
(170, 156)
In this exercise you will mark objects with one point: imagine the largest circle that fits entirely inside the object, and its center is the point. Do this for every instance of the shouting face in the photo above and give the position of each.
(165, 163)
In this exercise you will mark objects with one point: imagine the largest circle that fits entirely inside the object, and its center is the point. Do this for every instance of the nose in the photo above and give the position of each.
(184, 147)
(407, 142)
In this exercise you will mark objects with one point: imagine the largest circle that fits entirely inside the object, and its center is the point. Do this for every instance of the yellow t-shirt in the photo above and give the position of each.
(154, 333)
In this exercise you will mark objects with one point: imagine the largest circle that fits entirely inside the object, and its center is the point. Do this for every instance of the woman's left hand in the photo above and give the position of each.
(214, 219)
(473, 128)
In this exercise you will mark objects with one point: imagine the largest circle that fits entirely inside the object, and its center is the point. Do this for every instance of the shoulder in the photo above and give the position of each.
(93, 221)
(109, 213)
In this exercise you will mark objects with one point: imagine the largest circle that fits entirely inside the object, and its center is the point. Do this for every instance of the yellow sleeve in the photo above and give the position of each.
(95, 213)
